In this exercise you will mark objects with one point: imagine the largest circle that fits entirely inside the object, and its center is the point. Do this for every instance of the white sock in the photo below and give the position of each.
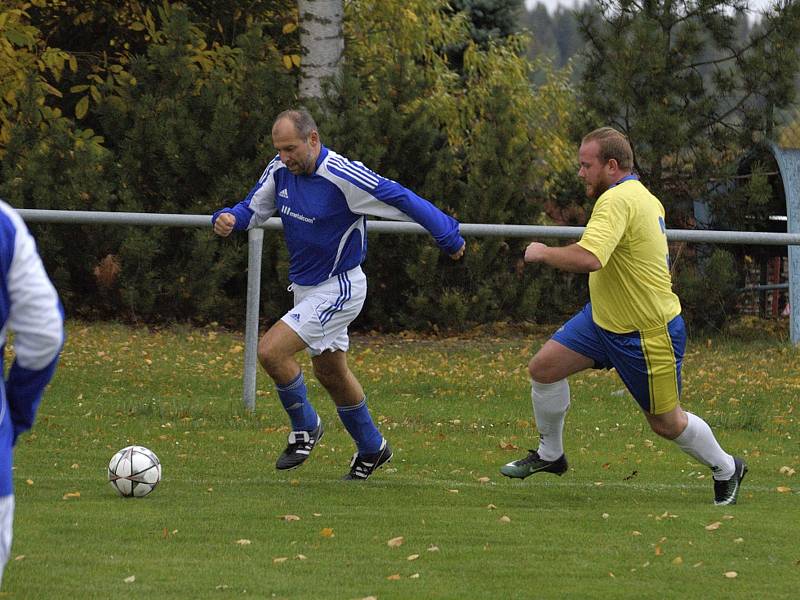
(698, 441)
(550, 404)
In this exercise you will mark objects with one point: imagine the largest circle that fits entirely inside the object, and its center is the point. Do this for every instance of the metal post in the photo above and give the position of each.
(789, 166)
(255, 244)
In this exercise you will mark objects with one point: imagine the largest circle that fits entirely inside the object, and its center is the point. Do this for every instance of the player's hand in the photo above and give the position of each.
(535, 252)
(224, 224)
(460, 252)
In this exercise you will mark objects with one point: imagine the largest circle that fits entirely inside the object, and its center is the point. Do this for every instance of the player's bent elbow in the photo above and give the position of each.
(593, 264)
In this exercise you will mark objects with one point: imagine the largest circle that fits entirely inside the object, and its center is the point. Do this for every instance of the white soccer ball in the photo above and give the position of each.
(134, 471)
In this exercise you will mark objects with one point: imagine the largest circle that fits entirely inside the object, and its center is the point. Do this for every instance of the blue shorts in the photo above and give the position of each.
(648, 361)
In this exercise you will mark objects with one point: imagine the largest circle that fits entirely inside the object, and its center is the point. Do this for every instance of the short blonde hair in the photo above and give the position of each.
(613, 144)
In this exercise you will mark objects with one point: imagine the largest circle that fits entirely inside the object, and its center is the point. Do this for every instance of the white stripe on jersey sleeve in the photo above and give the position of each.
(356, 170)
(262, 198)
(359, 200)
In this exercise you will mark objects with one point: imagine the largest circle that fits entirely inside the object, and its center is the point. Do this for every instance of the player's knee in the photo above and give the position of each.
(268, 358)
(541, 372)
(664, 429)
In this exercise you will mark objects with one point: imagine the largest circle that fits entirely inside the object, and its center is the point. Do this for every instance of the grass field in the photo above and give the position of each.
(633, 517)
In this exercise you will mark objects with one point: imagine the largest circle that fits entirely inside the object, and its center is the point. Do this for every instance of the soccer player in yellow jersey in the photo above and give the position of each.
(631, 323)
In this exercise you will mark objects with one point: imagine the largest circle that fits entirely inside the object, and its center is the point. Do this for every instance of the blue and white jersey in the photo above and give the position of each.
(29, 307)
(324, 214)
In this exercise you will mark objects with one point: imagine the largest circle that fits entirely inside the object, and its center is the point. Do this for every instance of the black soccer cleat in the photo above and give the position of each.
(363, 465)
(531, 464)
(726, 492)
(301, 443)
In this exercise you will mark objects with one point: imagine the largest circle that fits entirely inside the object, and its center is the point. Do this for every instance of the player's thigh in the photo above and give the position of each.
(279, 342)
(554, 362)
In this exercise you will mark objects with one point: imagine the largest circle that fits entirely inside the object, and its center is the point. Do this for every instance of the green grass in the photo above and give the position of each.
(627, 521)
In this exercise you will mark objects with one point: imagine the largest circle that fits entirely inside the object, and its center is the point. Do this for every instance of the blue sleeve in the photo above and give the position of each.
(442, 227)
(241, 211)
(24, 391)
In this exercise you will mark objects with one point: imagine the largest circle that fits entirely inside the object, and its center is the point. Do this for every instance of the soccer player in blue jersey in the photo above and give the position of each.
(30, 308)
(632, 322)
(322, 199)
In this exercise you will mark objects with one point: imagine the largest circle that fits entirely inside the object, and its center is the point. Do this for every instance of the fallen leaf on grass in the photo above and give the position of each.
(414, 576)
(677, 560)
(508, 446)
(433, 548)
(289, 517)
(412, 557)
(20, 557)
(713, 526)
(130, 579)
(396, 542)
(505, 519)
(659, 551)
(244, 542)
(280, 559)
(69, 495)
(731, 574)
(29, 481)
(327, 532)
(787, 471)
(782, 489)
(483, 480)
(491, 506)
(301, 557)
(394, 577)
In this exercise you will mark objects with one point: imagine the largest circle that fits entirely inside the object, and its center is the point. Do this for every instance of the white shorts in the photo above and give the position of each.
(322, 313)
(6, 521)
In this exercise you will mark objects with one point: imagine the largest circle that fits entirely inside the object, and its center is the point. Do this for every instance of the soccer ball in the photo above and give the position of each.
(134, 471)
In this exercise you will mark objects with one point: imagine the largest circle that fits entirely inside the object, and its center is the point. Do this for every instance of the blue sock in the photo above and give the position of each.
(294, 398)
(359, 424)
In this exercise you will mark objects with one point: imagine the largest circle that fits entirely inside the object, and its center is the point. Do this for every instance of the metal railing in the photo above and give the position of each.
(256, 242)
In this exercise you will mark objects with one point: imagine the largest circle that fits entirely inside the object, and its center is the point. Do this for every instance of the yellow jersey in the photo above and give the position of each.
(626, 232)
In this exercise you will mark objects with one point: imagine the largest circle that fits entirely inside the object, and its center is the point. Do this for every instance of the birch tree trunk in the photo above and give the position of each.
(322, 40)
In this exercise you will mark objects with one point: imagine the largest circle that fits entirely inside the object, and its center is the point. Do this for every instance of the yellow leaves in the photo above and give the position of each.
(396, 542)
(290, 61)
(327, 532)
(289, 28)
(505, 519)
(82, 107)
(713, 526)
(243, 542)
(731, 574)
(783, 489)
(69, 495)
(289, 518)
(130, 579)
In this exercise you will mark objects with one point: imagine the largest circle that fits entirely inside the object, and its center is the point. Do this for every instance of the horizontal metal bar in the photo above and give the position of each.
(469, 229)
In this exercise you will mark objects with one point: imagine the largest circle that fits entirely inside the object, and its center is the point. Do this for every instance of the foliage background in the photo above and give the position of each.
(159, 106)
